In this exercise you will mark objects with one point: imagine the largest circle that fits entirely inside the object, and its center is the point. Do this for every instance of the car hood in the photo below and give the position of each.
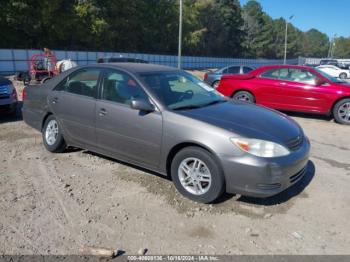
(248, 120)
(343, 84)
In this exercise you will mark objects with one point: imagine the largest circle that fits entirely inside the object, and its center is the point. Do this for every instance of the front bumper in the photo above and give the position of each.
(253, 176)
(8, 103)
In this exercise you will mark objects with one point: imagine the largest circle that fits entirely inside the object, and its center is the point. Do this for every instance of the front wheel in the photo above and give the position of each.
(343, 76)
(197, 175)
(52, 136)
(341, 111)
(215, 84)
(244, 96)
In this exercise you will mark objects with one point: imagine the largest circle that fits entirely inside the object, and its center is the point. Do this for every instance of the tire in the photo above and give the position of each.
(56, 143)
(244, 96)
(215, 84)
(341, 111)
(44, 80)
(13, 110)
(211, 171)
(343, 76)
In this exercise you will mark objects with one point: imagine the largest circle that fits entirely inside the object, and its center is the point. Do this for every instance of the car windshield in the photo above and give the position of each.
(180, 90)
(331, 78)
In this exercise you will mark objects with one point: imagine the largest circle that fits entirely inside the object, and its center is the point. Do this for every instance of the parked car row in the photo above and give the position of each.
(291, 88)
(166, 120)
(335, 71)
(213, 78)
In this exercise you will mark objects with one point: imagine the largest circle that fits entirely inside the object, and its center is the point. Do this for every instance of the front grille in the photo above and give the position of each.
(297, 176)
(3, 90)
(295, 143)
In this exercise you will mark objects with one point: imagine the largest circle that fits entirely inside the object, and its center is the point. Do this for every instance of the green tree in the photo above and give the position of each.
(315, 44)
(342, 47)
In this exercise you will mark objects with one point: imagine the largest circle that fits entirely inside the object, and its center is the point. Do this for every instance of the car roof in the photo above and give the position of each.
(136, 67)
(282, 66)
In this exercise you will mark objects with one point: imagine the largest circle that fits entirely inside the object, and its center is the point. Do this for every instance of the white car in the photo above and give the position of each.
(334, 71)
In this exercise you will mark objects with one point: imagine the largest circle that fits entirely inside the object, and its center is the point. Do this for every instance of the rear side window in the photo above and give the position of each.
(121, 88)
(82, 83)
(272, 73)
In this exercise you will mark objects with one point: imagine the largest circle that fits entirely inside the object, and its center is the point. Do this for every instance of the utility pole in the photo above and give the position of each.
(331, 46)
(180, 36)
(286, 40)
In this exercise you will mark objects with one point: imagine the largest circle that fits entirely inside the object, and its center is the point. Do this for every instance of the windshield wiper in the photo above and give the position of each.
(213, 102)
(186, 107)
(199, 106)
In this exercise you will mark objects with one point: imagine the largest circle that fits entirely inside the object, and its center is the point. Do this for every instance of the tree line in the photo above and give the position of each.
(220, 28)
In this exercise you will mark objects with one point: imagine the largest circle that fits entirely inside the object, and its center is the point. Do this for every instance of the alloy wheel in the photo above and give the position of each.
(51, 132)
(344, 112)
(194, 176)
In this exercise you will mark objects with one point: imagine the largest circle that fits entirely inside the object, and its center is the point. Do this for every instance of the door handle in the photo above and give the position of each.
(55, 100)
(102, 112)
(283, 83)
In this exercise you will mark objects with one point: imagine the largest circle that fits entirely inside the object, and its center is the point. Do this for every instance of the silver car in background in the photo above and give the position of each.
(213, 78)
(168, 121)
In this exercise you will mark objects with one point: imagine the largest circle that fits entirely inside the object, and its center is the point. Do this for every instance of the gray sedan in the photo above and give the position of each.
(168, 121)
(213, 78)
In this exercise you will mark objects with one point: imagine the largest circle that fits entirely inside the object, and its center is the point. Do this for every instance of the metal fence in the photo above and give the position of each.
(14, 60)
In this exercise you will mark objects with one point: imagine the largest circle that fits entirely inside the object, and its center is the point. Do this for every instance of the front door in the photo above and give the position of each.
(299, 91)
(121, 130)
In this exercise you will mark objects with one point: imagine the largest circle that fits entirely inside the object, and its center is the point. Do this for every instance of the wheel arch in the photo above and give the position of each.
(335, 102)
(246, 90)
(44, 119)
(177, 148)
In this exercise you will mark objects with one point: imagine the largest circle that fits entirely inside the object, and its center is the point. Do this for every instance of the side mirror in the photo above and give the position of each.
(320, 81)
(142, 105)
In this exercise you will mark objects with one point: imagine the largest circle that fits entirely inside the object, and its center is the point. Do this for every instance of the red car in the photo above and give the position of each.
(291, 88)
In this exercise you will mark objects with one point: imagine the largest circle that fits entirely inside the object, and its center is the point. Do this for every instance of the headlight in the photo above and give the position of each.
(260, 148)
(10, 89)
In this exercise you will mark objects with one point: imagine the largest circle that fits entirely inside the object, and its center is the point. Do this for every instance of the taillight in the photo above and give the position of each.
(24, 94)
(205, 76)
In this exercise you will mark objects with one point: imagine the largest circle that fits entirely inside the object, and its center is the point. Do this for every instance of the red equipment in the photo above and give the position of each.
(42, 67)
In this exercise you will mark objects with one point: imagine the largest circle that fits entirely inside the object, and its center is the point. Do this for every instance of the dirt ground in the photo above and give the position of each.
(56, 203)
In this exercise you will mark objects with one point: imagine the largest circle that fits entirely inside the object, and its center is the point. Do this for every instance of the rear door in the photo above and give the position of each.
(73, 102)
(267, 86)
(124, 131)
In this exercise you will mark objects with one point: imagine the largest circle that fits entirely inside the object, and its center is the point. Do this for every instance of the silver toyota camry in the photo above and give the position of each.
(170, 122)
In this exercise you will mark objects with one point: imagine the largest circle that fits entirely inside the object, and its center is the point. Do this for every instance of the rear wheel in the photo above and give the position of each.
(52, 136)
(341, 111)
(343, 76)
(197, 175)
(244, 96)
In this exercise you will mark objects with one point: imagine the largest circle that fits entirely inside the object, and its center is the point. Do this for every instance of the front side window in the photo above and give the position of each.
(121, 88)
(247, 69)
(180, 90)
(233, 70)
(302, 76)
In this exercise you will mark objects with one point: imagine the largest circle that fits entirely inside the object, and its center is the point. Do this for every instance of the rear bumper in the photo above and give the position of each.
(32, 118)
(264, 177)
